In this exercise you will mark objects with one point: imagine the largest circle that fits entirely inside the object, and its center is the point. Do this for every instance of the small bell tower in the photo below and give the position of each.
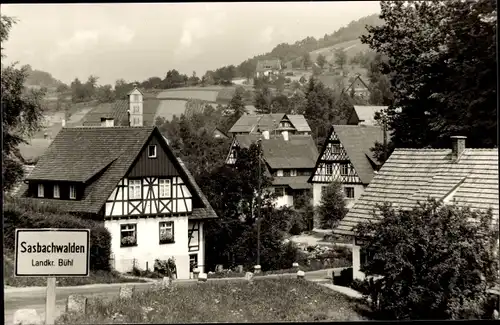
(135, 109)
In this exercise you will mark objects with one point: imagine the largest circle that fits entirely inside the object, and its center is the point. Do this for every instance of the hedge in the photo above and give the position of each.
(21, 214)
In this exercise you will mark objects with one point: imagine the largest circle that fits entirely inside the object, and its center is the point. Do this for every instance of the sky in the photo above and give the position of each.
(137, 41)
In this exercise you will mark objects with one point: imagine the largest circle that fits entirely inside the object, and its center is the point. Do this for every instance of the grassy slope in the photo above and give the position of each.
(95, 277)
(265, 300)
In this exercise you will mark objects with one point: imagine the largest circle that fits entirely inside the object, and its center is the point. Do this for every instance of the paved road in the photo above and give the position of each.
(34, 298)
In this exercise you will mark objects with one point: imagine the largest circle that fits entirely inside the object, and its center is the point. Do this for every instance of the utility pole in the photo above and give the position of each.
(258, 204)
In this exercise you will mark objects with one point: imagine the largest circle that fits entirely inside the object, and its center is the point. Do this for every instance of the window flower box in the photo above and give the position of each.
(166, 238)
(129, 241)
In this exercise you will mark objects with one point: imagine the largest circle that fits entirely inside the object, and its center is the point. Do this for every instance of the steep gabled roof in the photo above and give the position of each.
(100, 156)
(299, 122)
(298, 152)
(354, 81)
(412, 175)
(357, 141)
(366, 114)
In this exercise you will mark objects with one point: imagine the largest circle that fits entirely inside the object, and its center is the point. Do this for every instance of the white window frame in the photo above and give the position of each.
(128, 228)
(336, 148)
(329, 169)
(279, 173)
(165, 189)
(167, 225)
(41, 190)
(344, 168)
(136, 109)
(134, 189)
(293, 172)
(346, 190)
(72, 192)
(154, 154)
(57, 191)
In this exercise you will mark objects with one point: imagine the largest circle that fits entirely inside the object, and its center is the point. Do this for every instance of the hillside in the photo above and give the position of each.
(38, 78)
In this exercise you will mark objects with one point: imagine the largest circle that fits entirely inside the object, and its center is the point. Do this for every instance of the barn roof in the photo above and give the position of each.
(262, 65)
(99, 157)
(412, 175)
(298, 152)
(118, 111)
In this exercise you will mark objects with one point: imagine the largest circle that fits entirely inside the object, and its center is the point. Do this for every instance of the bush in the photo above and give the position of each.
(345, 279)
(22, 214)
(436, 262)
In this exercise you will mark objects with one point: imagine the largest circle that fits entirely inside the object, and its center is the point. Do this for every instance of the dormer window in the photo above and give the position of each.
(279, 173)
(293, 172)
(72, 192)
(57, 193)
(152, 151)
(40, 190)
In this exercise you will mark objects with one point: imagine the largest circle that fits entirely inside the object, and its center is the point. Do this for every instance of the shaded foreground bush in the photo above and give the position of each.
(21, 214)
(265, 300)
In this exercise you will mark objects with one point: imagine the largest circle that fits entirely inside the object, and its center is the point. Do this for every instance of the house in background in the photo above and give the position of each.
(289, 160)
(219, 134)
(273, 123)
(142, 109)
(128, 178)
(346, 157)
(359, 88)
(409, 176)
(268, 67)
(365, 115)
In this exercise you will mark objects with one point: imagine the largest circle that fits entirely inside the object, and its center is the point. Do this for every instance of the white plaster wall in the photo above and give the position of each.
(148, 247)
(358, 191)
(283, 201)
(356, 263)
(201, 253)
(317, 193)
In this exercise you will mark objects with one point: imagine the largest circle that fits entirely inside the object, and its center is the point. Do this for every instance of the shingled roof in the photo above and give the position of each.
(100, 157)
(268, 122)
(413, 175)
(118, 112)
(298, 152)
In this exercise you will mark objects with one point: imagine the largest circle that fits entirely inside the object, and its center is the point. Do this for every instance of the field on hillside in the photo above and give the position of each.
(350, 47)
(168, 108)
(201, 93)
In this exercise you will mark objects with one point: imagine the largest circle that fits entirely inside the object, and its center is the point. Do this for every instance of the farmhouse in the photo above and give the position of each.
(346, 157)
(273, 123)
(289, 160)
(268, 67)
(365, 115)
(469, 176)
(359, 88)
(129, 178)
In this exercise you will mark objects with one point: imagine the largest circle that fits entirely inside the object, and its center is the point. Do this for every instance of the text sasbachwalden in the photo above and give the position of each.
(52, 248)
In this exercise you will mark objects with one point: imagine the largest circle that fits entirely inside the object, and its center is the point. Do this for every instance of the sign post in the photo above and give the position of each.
(52, 253)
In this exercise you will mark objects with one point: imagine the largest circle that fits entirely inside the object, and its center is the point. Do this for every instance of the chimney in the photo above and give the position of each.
(457, 147)
(107, 122)
(63, 122)
(285, 135)
(265, 134)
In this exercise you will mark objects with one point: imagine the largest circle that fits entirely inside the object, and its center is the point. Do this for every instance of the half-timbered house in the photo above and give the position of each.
(346, 157)
(289, 160)
(466, 177)
(128, 178)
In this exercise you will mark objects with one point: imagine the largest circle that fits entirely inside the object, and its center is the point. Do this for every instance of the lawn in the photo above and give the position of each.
(93, 278)
(264, 300)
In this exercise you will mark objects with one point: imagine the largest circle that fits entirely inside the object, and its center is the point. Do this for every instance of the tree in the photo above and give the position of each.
(437, 261)
(22, 112)
(340, 58)
(332, 207)
(262, 101)
(306, 60)
(430, 54)
(321, 60)
(105, 94)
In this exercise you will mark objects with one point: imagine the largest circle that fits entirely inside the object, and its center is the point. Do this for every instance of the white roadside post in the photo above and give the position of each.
(52, 253)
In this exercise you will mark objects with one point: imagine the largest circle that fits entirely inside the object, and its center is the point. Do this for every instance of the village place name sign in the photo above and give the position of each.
(52, 252)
